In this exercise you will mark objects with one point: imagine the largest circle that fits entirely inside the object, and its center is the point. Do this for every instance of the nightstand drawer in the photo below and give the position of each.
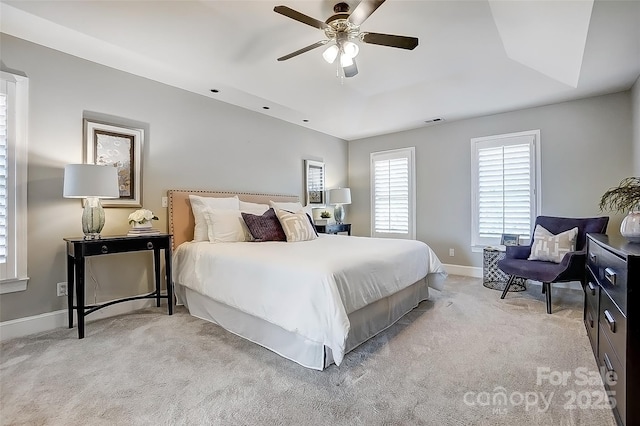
(98, 247)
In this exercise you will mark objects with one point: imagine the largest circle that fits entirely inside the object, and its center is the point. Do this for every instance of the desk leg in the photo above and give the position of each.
(70, 270)
(79, 264)
(156, 274)
(167, 267)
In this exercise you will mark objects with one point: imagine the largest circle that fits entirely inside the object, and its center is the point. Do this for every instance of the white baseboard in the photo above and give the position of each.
(465, 271)
(51, 320)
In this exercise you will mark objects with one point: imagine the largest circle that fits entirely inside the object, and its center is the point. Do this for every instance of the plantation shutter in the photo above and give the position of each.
(3, 179)
(14, 97)
(504, 188)
(392, 194)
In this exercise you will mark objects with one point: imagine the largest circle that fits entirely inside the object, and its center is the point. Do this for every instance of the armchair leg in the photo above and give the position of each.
(506, 287)
(547, 290)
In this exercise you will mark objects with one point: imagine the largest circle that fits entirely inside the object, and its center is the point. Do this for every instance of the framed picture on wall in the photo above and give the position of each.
(314, 182)
(510, 240)
(110, 145)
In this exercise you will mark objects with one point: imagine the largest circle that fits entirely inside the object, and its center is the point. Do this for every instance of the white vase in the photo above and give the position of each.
(630, 227)
(143, 225)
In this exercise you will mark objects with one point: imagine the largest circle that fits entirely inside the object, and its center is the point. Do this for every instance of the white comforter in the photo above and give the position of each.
(306, 287)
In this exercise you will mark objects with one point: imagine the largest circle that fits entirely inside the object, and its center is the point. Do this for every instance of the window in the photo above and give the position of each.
(393, 193)
(13, 182)
(505, 181)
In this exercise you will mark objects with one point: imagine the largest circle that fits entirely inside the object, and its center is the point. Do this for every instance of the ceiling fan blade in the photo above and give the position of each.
(303, 50)
(350, 70)
(300, 17)
(364, 9)
(402, 42)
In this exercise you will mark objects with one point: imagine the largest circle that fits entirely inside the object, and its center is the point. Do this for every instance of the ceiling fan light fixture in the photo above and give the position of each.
(346, 60)
(350, 49)
(331, 53)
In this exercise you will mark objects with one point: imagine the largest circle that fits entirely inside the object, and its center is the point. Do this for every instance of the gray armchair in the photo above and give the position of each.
(572, 267)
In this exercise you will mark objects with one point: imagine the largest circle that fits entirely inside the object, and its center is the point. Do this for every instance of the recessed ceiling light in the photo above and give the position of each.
(265, 107)
(305, 120)
(215, 90)
(434, 120)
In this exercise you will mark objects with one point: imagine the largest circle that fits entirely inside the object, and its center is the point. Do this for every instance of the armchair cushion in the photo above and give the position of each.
(552, 248)
(570, 269)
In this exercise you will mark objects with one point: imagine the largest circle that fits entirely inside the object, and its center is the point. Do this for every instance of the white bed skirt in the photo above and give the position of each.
(364, 323)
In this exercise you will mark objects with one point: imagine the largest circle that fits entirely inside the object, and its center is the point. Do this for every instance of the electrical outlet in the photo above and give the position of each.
(452, 252)
(165, 202)
(62, 289)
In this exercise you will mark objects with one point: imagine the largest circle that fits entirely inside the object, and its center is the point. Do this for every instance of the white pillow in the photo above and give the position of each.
(292, 207)
(226, 226)
(199, 204)
(552, 248)
(296, 226)
(253, 208)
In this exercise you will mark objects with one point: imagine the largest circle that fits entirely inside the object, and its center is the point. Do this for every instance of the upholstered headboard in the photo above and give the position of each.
(181, 221)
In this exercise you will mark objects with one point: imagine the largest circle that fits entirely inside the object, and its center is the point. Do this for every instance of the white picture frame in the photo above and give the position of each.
(117, 146)
(314, 183)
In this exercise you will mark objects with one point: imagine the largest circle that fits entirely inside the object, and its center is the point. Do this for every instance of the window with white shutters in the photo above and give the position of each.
(505, 195)
(393, 193)
(13, 182)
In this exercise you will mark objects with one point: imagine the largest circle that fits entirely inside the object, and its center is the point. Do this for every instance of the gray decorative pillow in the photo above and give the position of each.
(552, 248)
(265, 227)
(296, 226)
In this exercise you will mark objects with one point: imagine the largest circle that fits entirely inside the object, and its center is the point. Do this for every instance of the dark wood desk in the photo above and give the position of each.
(334, 228)
(78, 249)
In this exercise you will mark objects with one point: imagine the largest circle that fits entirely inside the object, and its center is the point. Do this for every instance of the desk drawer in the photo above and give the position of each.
(613, 324)
(610, 271)
(613, 374)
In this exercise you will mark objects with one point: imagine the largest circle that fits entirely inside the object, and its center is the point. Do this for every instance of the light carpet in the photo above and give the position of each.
(448, 362)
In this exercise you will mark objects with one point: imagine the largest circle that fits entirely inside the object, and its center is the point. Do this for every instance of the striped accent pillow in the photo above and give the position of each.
(296, 226)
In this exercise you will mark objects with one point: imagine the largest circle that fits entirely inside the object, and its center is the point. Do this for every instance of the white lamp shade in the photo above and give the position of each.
(90, 180)
(331, 53)
(340, 196)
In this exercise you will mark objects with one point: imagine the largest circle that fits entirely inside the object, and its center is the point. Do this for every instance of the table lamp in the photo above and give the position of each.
(91, 182)
(339, 197)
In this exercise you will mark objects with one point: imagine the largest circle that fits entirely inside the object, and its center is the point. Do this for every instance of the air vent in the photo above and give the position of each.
(434, 120)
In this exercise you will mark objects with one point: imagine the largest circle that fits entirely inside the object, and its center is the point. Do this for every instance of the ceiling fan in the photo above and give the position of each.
(341, 30)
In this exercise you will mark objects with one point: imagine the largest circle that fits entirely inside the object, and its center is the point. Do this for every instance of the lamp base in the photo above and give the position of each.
(92, 218)
(338, 213)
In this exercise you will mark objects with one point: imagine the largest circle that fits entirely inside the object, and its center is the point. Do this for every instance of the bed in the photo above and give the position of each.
(310, 301)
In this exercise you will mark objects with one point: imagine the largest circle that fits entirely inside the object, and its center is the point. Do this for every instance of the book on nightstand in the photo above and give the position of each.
(137, 232)
(324, 221)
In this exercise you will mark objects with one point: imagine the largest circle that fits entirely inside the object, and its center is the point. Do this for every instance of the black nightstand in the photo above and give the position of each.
(79, 248)
(334, 228)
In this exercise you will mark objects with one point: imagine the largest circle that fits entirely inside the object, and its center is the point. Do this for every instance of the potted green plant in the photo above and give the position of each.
(625, 198)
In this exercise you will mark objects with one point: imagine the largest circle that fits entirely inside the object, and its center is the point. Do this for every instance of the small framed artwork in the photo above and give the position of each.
(314, 182)
(510, 240)
(121, 147)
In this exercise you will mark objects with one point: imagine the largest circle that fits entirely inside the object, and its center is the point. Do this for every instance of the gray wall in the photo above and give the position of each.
(191, 142)
(586, 148)
(635, 110)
